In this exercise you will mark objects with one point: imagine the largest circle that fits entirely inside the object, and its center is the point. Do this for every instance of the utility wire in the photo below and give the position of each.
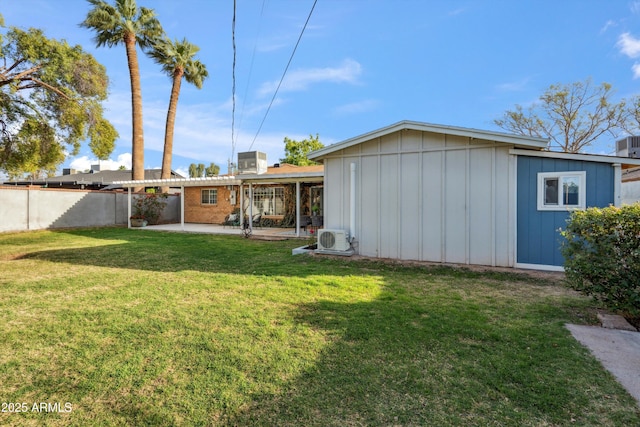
(283, 74)
(253, 56)
(233, 85)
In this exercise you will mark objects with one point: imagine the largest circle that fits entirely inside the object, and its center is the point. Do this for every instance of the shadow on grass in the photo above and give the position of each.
(171, 252)
(395, 361)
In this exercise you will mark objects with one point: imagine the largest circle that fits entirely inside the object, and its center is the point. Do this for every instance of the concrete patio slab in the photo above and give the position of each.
(219, 229)
(617, 350)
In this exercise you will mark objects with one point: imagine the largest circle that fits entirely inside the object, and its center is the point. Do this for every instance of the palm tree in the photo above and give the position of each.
(177, 60)
(125, 23)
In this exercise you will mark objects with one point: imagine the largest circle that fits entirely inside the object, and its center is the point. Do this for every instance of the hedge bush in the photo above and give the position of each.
(602, 256)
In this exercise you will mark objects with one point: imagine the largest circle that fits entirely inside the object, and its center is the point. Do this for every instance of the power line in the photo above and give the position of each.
(253, 56)
(283, 74)
(233, 85)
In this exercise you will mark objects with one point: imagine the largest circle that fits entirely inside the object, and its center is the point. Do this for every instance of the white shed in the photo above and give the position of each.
(418, 191)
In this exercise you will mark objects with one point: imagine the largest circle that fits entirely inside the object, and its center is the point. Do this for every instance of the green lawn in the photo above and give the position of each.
(135, 327)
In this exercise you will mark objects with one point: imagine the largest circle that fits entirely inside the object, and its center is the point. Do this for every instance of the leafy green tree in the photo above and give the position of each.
(571, 116)
(212, 170)
(296, 151)
(193, 170)
(51, 98)
(199, 170)
(177, 60)
(126, 23)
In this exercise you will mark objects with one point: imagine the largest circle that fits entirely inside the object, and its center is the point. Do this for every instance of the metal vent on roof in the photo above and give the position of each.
(628, 147)
(252, 162)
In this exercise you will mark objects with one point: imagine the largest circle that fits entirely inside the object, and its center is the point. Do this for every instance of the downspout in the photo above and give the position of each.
(617, 184)
(251, 207)
(241, 196)
(297, 208)
(182, 196)
(352, 204)
(128, 207)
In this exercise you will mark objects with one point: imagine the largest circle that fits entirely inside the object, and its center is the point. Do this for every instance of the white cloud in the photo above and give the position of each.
(636, 70)
(185, 172)
(84, 163)
(458, 11)
(347, 72)
(629, 45)
(357, 107)
(514, 86)
(610, 23)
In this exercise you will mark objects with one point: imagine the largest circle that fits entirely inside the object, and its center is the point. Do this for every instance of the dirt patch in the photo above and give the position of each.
(553, 276)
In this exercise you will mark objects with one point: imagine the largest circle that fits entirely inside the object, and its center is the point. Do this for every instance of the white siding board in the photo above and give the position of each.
(481, 202)
(432, 140)
(410, 211)
(411, 140)
(390, 143)
(432, 195)
(504, 226)
(389, 206)
(455, 183)
(370, 147)
(333, 179)
(368, 225)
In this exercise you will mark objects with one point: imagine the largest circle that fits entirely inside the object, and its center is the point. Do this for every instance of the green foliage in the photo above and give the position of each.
(193, 170)
(199, 170)
(178, 56)
(602, 255)
(51, 98)
(149, 206)
(113, 24)
(571, 116)
(296, 151)
(212, 170)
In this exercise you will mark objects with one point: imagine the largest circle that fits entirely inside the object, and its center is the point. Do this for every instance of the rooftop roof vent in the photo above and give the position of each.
(252, 162)
(628, 147)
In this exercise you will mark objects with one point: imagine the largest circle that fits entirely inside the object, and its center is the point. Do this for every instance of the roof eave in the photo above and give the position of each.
(517, 140)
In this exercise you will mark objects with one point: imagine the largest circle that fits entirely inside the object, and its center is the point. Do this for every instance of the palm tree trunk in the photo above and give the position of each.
(137, 143)
(171, 121)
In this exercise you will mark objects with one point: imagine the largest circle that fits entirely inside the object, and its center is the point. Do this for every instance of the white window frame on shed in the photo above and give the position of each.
(561, 178)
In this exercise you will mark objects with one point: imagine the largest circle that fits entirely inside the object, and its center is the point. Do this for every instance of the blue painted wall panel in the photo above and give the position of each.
(539, 239)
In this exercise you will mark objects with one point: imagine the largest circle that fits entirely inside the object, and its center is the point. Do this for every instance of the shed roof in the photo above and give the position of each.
(519, 141)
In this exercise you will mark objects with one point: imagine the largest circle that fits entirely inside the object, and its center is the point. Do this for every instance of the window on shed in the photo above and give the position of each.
(209, 196)
(561, 190)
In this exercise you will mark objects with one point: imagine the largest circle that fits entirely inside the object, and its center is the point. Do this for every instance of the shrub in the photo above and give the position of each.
(149, 206)
(602, 256)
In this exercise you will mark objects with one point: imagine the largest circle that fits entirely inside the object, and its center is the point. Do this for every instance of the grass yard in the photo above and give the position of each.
(135, 327)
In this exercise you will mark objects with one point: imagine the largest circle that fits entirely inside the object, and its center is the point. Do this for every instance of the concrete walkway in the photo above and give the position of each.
(618, 351)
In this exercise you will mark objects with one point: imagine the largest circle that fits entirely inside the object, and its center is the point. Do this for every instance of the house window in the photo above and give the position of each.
(558, 191)
(209, 196)
(267, 200)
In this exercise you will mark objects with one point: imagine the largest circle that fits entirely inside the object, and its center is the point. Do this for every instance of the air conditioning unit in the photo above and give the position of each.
(333, 240)
(252, 162)
(628, 147)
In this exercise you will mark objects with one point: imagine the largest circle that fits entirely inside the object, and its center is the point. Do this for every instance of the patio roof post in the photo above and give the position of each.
(241, 196)
(251, 207)
(129, 207)
(182, 195)
(297, 208)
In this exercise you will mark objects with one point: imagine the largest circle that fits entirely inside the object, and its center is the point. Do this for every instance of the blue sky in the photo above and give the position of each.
(361, 65)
